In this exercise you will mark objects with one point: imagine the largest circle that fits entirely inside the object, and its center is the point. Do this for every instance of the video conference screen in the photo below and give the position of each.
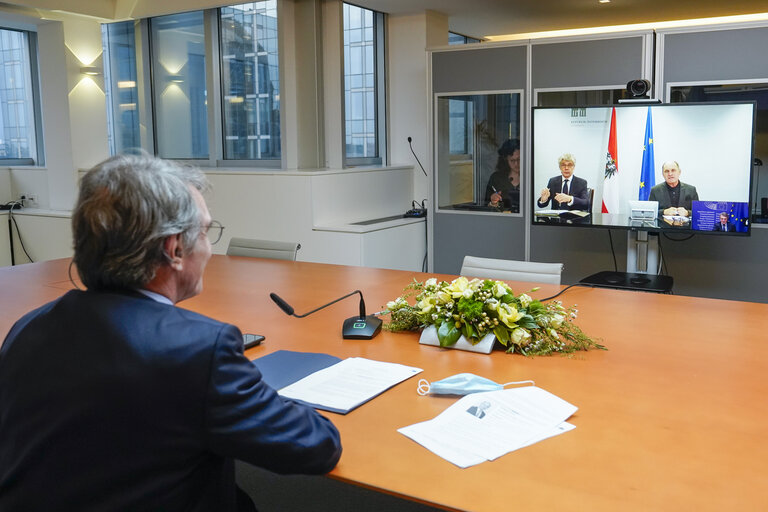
(677, 167)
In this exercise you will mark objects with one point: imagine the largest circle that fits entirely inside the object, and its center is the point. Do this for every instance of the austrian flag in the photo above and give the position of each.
(610, 183)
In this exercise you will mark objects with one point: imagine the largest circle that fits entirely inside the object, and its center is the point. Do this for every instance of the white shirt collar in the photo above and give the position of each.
(155, 296)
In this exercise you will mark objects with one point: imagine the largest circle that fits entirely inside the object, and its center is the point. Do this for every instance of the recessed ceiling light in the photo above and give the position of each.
(604, 1)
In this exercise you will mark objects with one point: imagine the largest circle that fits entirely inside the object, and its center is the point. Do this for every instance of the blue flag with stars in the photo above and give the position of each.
(739, 216)
(647, 180)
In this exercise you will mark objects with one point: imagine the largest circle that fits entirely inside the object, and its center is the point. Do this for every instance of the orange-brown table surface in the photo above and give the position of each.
(674, 416)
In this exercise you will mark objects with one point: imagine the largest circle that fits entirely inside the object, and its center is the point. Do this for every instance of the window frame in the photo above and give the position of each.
(218, 77)
(214, 88)
(380, 104)
(524, 158)
(35, 101)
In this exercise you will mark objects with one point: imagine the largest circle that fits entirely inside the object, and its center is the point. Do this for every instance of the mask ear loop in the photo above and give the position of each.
(519, 382)
(423, 387)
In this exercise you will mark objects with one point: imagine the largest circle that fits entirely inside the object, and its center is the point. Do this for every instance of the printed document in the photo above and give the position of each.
(347, 384)
(485, 426)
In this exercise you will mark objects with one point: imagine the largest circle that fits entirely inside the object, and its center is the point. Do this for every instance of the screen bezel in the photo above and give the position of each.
(575, 222)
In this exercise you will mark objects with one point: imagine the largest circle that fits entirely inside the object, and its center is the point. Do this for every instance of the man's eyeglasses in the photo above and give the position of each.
(214, 230)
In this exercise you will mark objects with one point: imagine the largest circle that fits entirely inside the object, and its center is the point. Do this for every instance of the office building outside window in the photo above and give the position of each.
(20, 140)
(363, 85)
(180, 96)
(250, 81)
(119, 50)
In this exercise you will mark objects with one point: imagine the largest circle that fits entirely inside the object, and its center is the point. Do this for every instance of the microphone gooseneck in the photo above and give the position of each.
(288, 309)
(361, 327)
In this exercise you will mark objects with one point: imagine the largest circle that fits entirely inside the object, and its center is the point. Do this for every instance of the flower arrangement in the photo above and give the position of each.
(478, 307)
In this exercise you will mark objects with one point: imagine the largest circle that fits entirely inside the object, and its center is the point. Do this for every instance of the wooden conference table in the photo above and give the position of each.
(673, 416)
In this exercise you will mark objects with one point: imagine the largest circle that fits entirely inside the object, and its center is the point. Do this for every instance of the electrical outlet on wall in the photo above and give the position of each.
(29, 200)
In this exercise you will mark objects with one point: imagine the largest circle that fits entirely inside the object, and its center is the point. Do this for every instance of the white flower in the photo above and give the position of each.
(520, 336)
(493, 304)
(391, 305)
(426, 305)
(468, 293)
(557, 320)
(509, 315)
(525, 300)
(554, 334)
(499, 289)
(431, 282)
(457, 287)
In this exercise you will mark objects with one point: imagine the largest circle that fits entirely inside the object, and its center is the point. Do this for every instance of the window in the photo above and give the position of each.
(454, 38)
(460, 119)
(119, 45)
(243, 84)
(250, 81)
(179, 96)
(363, 85)
(478, 152)
(20, 137)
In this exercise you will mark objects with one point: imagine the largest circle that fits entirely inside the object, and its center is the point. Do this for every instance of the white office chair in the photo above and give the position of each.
(511, 270)
(263, 249)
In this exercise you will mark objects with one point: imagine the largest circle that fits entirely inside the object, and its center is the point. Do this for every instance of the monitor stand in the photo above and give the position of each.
(642, 265)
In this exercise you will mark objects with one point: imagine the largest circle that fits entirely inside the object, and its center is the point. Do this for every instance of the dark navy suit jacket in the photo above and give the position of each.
(113, 401)
(578, 189)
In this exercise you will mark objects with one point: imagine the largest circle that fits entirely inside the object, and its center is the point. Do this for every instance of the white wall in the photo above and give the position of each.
(317, 209)
(45, 236)
(408, 37)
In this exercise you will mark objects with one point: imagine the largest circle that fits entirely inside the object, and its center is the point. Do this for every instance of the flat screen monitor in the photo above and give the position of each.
(660, 167)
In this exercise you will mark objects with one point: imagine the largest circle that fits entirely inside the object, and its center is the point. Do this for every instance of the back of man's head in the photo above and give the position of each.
(127, 207)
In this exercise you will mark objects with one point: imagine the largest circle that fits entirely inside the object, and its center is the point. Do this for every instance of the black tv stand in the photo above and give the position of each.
(630, 281)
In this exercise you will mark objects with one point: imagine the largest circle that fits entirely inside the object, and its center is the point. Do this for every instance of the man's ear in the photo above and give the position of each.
(174, 251)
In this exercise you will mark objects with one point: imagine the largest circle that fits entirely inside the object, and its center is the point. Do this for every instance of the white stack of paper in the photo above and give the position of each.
(485, 426)
(348, 384)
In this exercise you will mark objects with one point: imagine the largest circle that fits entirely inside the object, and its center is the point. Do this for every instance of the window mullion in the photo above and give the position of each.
(213, 85)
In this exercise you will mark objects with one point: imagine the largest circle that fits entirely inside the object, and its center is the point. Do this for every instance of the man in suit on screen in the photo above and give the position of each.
(114, 398)
(675, 197)
(723, 224)
(565, 192)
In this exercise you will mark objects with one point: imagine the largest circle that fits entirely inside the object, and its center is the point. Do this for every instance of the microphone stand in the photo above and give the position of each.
(361, 327)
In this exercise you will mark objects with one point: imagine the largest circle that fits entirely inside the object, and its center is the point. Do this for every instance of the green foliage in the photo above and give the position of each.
(475, 308)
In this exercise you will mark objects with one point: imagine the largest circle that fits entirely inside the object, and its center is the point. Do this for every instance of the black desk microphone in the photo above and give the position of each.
(359, 327)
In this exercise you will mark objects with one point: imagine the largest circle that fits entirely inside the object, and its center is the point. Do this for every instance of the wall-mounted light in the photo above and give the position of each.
(90, 70)
(126, 84)
(176, 78)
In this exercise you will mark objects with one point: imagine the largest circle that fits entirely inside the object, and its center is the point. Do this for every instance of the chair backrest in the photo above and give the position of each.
(591, 194)
(263, 249)
(512, 270)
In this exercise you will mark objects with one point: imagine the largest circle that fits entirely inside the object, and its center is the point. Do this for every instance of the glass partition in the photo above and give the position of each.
(478, 152)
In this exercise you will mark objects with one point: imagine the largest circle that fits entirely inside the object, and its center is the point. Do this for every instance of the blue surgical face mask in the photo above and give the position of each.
(462, 384)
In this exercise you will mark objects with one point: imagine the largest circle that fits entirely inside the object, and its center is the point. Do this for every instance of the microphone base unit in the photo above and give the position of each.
(361, 328)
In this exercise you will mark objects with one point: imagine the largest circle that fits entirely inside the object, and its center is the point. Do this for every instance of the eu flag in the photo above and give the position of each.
(647, 180)
(739, 216)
